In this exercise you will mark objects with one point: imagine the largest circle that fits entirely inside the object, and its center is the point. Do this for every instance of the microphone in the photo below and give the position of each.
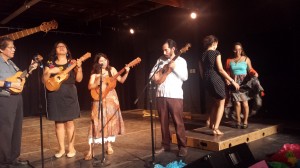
(158, 64)
(101, 65)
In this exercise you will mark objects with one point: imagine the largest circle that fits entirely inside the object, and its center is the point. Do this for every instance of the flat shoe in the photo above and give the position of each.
(70, 155)
(59, 155)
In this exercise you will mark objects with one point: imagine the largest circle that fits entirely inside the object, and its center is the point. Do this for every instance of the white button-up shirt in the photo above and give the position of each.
(172, 86)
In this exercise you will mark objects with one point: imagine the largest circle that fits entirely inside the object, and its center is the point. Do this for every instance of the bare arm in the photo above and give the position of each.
(250, 68)
(48, 71)
(123, 78)
(223, 72)
(78, 71)
(93, 82)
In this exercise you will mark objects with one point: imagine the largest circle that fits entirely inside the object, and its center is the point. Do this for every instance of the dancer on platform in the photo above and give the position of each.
(214, 81)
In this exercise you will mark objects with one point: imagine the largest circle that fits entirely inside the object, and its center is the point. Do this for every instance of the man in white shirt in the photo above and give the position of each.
(169, 95)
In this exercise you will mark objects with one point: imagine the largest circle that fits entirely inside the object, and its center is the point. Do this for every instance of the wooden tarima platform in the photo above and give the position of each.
(204, 139)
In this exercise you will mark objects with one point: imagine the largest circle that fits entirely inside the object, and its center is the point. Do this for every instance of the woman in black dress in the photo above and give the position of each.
(214, 81)
(62, 104)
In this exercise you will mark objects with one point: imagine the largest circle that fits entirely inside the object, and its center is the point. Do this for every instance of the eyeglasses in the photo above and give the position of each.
(60, 46)
(12, 48)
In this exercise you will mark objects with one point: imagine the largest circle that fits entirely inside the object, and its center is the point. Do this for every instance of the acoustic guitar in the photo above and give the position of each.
(21, 76)
(45, 27)
(54, 83)
(166, 70)
(111, 82)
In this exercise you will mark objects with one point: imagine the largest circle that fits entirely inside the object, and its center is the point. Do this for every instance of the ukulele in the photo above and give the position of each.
(20, 76)
(45, 27)
(166, 70)
(111, 82)
(54, 83)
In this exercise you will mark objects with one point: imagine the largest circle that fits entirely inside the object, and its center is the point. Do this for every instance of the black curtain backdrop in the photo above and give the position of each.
(268, 31)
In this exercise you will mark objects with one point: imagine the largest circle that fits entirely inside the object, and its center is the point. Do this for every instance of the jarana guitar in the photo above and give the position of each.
(111, 82)
(166, 70)
(20, 76)
(45, 27)
(54, 83)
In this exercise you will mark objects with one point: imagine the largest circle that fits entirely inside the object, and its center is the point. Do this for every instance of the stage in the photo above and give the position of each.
(134, 149)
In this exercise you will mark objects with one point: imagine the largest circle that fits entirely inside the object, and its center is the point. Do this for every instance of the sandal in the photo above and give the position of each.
(237, 125)
(244, 126)
(217, 132)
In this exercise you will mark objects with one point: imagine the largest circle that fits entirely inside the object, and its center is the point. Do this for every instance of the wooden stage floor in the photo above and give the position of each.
(133, 149)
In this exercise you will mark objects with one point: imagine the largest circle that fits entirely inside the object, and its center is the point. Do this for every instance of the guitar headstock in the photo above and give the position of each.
(35, 62)
(185, 48)
(85, 56)
(46, 26)
(134, 62)
(38, 58)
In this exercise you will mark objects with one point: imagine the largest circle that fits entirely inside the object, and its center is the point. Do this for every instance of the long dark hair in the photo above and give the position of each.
(96, 65)
(209, 40)
(53, 56)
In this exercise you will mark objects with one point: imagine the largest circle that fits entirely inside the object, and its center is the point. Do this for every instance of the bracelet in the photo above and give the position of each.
(7, 84)
(232, 81)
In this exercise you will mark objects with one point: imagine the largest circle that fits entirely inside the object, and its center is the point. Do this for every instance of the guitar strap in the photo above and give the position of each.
(14, 65)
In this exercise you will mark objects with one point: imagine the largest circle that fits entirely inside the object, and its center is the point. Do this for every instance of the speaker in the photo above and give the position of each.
(238, 156)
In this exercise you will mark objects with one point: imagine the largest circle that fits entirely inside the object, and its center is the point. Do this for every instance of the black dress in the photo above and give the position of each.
(63, 105)
(213, 80)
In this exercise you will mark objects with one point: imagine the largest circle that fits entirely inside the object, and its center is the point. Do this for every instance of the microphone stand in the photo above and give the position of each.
(41, 113)
(152, 162)
(103, 162)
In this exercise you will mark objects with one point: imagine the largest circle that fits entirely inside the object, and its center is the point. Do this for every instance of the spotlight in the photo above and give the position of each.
(131, 30)
(193, 15)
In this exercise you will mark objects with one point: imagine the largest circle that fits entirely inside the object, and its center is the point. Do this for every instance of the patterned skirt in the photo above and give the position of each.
(113, 121)
(242, 94)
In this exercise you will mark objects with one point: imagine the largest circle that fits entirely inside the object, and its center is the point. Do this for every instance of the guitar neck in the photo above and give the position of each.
(23, 33)
(119, 73)
(69, 69)
(176, 56)
(24, 73)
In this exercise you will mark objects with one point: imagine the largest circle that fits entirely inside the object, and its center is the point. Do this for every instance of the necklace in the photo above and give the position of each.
(236, 60)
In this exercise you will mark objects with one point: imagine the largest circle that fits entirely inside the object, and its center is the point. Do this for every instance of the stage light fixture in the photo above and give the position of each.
(193, 15)
(131, 31)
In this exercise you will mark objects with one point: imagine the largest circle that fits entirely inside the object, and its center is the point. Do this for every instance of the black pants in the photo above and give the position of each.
(11, 118)
(173, 107)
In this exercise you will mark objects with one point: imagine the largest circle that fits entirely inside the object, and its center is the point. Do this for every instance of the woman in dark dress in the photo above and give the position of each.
(214, 81)
(62, 104)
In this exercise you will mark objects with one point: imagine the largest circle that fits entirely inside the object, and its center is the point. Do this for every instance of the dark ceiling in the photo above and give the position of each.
(92, 16)
(81, 13)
